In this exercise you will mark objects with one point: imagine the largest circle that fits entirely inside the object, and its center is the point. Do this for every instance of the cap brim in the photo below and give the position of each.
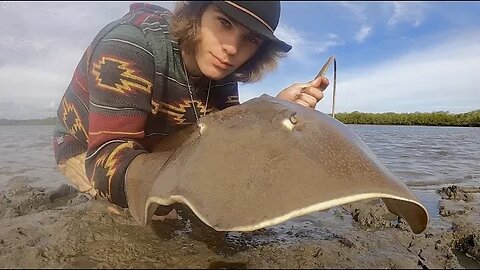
(251, 23)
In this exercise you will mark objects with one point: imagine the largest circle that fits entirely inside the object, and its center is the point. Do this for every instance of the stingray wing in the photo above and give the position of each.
(245, 172)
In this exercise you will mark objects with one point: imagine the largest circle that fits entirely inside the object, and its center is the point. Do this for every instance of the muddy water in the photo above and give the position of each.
(45, 224)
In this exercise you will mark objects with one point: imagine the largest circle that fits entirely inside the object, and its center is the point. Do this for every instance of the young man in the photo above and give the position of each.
(150, 74)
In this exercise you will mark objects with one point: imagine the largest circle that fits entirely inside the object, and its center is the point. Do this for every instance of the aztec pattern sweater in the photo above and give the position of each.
(129, 89)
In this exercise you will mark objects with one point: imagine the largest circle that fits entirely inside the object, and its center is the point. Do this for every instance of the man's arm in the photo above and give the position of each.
(120, 83)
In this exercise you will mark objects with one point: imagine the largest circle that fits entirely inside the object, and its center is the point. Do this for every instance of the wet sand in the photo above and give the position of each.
(41, 227)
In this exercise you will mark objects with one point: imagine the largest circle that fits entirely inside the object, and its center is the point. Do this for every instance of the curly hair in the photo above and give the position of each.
(185, 30)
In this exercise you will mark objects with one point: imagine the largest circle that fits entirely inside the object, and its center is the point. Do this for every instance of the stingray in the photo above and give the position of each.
(262, 163)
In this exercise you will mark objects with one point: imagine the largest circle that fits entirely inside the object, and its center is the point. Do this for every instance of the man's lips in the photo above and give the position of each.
(220, 63)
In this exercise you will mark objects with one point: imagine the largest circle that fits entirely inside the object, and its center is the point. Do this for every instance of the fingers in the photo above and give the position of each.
(306, 94)
(307, 100)
(298, 88)
(324, 83)
(320, 82)
(301, 102)
(313, 92)
(295, 90)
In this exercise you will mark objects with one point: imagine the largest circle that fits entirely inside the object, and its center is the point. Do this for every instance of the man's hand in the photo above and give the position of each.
(306, 94)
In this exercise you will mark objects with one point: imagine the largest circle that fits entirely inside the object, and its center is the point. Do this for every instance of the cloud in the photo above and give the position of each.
(379, 15)
(25, 109)
(407, 12)
(40, 46)
(6, 108)
(302, 47)
(363, 33)
(51, 107)
(290, 36)
(358, 9)
(44, 75)
(332, 40)
(364, 14)
(438, 77)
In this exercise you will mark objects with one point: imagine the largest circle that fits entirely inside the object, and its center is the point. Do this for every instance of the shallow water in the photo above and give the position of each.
(27, 153)
(426, 156)
(423, 157)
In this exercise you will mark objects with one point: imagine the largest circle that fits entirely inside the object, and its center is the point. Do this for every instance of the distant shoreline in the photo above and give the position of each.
(468, 119)
(28, 122)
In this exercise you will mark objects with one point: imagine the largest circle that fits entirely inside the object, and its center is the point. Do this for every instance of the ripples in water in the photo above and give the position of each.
(434, 155)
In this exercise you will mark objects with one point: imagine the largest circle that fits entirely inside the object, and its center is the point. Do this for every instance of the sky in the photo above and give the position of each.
(391, 56)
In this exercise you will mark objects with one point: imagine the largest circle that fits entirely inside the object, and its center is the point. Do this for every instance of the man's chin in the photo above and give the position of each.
(215, 74)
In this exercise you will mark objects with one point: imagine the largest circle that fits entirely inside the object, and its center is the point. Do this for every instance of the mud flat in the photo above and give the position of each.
(61, 228)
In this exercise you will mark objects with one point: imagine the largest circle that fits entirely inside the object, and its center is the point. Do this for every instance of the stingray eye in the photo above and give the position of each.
(293, 119)
(290, 122)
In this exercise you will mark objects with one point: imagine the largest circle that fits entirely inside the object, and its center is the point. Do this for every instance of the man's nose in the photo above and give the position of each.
(232, 43)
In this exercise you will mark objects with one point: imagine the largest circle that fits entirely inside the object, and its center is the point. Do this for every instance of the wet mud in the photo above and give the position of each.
(61, 228)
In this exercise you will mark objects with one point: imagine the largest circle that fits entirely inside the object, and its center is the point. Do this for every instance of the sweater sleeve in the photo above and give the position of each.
(120, 84)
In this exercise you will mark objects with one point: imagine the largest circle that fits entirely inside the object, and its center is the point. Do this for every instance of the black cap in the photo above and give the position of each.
(259, 16)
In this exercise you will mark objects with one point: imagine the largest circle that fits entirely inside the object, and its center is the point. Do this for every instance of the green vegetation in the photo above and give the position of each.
(46, 121)
(469, 119)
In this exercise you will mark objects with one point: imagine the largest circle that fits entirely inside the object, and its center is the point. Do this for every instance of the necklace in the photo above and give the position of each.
(191, 94)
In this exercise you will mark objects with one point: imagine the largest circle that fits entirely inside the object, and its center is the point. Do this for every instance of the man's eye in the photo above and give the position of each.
(253, 39)
(225, 22)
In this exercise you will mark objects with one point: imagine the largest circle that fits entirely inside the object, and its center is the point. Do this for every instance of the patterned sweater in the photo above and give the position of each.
(128, 90)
